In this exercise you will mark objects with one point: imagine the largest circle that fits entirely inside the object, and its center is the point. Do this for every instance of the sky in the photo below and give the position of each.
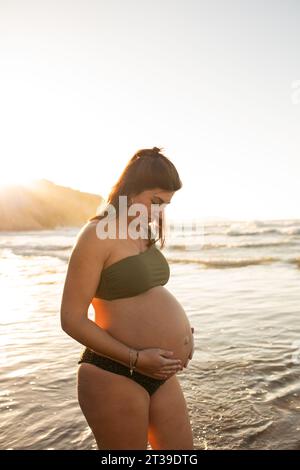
(85, 84)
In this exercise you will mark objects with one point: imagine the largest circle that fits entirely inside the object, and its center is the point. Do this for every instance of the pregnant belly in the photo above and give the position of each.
(153, 319)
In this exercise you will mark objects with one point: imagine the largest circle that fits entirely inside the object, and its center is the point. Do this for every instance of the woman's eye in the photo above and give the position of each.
(160, 203)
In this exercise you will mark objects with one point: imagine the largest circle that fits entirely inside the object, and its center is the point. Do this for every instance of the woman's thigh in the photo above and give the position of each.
(169, 421)
(116, 408)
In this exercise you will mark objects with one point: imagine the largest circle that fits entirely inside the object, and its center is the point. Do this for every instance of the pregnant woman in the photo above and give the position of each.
(141, 338)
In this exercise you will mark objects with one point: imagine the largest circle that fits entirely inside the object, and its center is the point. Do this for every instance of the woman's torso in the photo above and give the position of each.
(151, 319)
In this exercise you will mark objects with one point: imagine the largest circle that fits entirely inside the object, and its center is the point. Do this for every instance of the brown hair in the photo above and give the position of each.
(147, 169)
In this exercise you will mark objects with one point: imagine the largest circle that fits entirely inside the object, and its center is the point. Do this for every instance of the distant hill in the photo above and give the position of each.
(45, 205)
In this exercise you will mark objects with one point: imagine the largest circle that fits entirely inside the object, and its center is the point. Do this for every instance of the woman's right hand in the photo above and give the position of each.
(157, 362)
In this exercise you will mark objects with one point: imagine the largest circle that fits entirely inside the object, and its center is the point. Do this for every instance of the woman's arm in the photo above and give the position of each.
(83, 275)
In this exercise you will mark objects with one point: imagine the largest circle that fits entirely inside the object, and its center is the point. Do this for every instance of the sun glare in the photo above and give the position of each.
(14, 180)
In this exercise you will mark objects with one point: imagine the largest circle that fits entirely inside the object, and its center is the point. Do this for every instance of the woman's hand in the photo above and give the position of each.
(192, 350)
(159, 363)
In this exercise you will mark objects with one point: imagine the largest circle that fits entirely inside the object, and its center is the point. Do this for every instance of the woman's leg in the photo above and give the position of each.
(116, 408)
(169, 422)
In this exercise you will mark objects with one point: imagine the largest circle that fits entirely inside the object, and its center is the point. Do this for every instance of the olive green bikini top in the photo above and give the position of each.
(133, 275)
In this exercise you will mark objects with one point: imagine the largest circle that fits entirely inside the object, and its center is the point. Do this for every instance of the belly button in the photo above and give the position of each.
(186, 340)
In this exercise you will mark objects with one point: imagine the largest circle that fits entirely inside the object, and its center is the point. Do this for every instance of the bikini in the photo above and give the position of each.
(129, 277)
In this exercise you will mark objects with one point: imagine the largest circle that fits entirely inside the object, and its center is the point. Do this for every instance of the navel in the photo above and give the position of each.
(186, 340)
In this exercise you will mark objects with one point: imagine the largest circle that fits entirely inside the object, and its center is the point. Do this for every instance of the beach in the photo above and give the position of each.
(240, 290)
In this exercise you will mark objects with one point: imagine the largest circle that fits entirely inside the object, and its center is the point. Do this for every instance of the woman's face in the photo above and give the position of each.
(157, 196)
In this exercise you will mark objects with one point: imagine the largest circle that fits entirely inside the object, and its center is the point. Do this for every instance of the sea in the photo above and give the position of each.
(239, 283)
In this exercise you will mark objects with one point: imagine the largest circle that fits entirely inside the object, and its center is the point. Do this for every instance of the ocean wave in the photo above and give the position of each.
(291, 231)
(294, 261)
(33, 248)
(28, 253)
(264, 245)
(213, 246)
(190, 247)
(240, 232)
(226, 263)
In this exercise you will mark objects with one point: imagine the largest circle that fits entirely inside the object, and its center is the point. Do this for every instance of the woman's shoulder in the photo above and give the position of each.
(88, 239)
